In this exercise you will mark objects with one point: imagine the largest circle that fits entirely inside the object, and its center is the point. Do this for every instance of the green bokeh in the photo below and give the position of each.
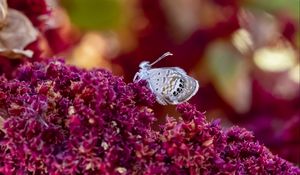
(94, 14)
(289, 6)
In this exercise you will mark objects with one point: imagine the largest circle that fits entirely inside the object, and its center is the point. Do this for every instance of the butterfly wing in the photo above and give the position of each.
(171, 85)
(191, 87)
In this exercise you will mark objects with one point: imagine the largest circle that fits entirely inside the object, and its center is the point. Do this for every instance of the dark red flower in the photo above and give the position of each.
(35, 10)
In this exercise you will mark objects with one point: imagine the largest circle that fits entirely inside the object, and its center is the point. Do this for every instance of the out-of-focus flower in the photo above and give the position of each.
(63, 120)
(242, 40)
(275, 59)
(263, 27)
(91, 52)
(59, 32)
(294, 74)
(228, 69)
(35, 10)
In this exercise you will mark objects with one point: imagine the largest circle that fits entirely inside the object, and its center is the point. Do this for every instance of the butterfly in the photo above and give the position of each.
(171, 85)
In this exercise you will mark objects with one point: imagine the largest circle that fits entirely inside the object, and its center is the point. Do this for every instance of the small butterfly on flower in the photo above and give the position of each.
(171, 85)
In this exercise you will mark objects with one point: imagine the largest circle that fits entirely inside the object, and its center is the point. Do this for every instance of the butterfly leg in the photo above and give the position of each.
(136, 77)
(173, 101)
(161, 100)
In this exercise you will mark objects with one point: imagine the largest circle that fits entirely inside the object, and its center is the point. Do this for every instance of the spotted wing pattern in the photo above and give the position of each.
(171, 85)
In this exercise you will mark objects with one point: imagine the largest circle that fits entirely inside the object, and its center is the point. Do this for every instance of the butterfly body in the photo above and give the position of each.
(171, 85)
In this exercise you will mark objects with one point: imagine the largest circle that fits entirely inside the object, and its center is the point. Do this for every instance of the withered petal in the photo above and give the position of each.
(17, 33)
(16, 53)
(3, 12)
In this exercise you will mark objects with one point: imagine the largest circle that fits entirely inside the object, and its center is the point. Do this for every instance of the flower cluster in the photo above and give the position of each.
(63, 120)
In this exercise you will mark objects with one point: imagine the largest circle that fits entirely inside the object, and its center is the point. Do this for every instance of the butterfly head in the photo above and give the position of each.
(145, 65)
(142, 74)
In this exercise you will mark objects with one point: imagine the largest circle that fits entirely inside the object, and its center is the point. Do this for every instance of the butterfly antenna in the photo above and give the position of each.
(161, 57)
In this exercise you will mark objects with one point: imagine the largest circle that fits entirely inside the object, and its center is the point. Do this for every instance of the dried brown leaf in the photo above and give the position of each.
(16, 34)
(230, 75)
(263, 27)
(3, 12)
(1, 123)
(15, 53)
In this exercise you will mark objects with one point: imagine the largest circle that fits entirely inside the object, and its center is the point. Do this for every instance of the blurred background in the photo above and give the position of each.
(245, 54)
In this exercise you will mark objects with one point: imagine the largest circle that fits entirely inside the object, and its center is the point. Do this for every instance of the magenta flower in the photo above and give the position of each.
(63, 120)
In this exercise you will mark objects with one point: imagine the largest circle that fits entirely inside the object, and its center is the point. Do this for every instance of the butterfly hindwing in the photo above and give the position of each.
(171, 85)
